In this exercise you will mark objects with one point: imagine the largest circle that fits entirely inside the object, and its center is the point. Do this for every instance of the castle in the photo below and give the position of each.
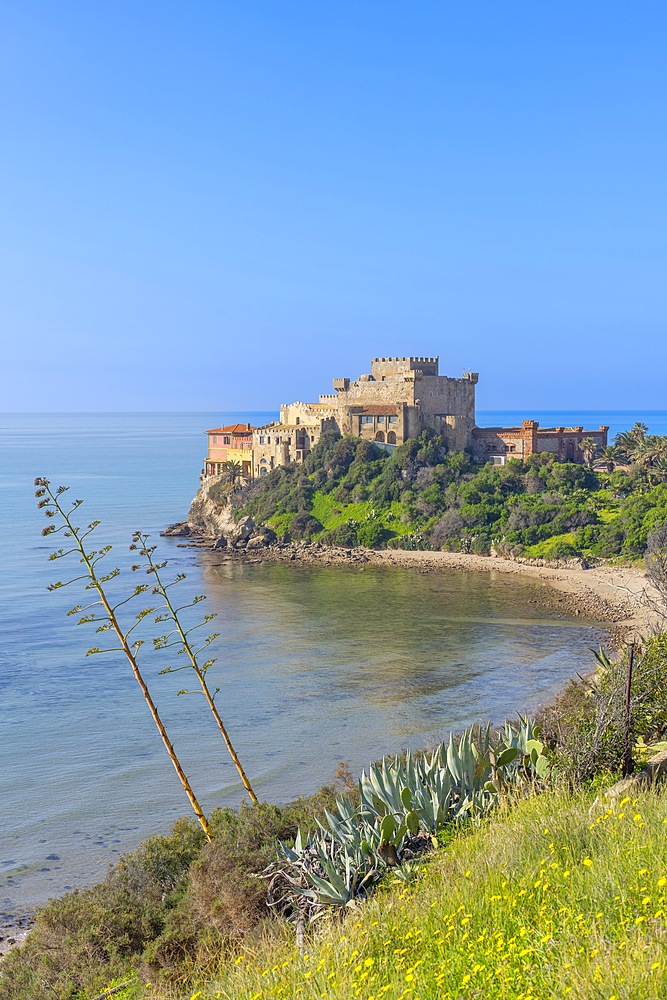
(394, 402)
(397, 400)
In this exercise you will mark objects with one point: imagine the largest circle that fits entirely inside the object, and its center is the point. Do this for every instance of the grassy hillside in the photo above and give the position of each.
(552, 890)
(560, 896)
(350, 492)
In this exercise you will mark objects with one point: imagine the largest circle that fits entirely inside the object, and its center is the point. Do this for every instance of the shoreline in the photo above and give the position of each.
(620, 598)
(13, 931)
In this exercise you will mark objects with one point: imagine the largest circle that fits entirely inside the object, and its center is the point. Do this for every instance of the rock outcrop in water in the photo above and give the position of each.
(216, 521)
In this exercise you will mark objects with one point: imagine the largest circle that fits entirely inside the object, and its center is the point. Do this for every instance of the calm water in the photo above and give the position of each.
(315, 664)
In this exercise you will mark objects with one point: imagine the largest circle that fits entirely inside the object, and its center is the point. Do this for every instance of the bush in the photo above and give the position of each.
(90, 935)
(345, 535)
(585, 725)
(450, 526)
(175, 899)
(304, 525)
(371, 534)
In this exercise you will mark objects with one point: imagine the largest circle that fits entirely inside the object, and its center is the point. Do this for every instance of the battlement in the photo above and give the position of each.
(405, 359)
(383, 367)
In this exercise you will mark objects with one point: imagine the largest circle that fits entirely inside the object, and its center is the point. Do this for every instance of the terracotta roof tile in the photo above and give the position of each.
(232, 429)
(380, 410)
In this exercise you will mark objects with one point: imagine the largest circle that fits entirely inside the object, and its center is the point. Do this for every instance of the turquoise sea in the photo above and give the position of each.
(315, 665)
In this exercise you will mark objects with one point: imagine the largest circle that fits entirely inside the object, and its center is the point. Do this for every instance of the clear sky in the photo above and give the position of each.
(222, 205)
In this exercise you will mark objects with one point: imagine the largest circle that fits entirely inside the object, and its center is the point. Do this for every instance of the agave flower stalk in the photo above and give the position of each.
(50, 502)
(181, 638)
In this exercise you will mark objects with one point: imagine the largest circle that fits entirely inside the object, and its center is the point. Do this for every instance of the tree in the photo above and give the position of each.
(630, 440)
(589, 449)
(655, 560)
(233, 470)
(609, 457)
(650, 456)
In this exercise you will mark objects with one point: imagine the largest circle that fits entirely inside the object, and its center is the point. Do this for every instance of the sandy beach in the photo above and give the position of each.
(620, 596)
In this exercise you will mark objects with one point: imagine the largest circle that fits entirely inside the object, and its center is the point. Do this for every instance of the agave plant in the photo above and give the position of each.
(404, 802)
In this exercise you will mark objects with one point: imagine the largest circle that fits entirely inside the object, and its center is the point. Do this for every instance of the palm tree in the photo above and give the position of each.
(648, 450)
(610, 456)
(233, 470)
(589, 448)
(630, 440)
(658, 472)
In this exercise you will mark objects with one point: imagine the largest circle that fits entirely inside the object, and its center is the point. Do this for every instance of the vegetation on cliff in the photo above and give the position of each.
(558, 896)
(351, 492)
(181, 911)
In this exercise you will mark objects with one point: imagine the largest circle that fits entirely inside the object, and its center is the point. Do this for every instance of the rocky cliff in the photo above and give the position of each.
(216, 521)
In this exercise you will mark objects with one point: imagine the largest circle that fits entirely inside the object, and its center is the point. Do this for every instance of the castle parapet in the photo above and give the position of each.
(386, 367)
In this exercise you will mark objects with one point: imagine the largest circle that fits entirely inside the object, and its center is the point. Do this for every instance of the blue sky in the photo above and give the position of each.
(223, 205)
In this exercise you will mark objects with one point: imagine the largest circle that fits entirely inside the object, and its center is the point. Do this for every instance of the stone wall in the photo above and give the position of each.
(383, 367)
(496, 443)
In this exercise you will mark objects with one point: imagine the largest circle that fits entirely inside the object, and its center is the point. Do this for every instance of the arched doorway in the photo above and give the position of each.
(380, 436)
(391, 437)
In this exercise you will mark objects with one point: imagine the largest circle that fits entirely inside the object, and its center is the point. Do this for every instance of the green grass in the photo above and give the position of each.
(280, 523)
(551, 548)
(607, 514)
(330, 513)
(561, 896)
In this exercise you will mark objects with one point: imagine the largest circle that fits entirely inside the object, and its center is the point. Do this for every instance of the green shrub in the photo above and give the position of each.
(585, 725)
(304, 525)
(345, 535)
(371, 534)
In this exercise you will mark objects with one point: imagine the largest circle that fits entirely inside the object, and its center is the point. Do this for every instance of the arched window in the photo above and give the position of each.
(379, 436)
(391, 437)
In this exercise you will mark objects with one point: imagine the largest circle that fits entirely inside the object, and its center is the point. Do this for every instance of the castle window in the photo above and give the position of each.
(381, 419)
(392, 420)
(261, 439)
(366, 420)
(225, 440)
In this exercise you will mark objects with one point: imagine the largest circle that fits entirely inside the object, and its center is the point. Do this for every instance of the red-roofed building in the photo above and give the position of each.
(229, 444)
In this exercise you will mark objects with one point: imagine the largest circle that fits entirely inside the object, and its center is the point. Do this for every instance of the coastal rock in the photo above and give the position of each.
(209, 518)
(257, 541)
(179, 530)
(240, 532)
(213, 520)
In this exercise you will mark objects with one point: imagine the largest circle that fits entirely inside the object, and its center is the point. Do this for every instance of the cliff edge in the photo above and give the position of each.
(213, 518)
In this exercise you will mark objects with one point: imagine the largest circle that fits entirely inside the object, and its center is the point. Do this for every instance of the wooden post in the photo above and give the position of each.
(628, 762)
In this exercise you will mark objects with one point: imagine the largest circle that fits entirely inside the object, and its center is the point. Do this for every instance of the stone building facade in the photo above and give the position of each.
(499, 444)
(229, 444)
(395, 401)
